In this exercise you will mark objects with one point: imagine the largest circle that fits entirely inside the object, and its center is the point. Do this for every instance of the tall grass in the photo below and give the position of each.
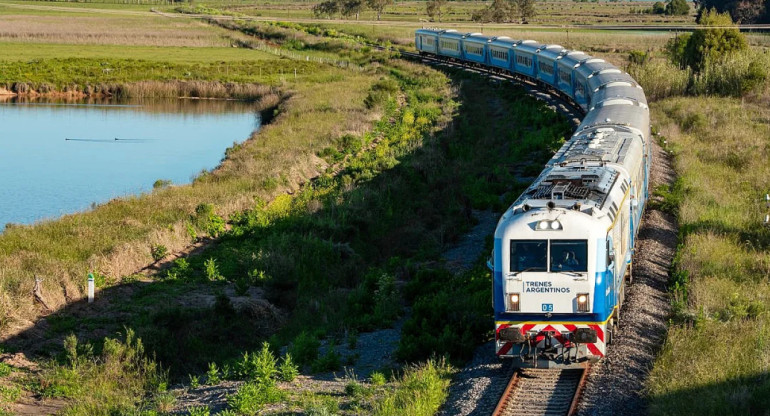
(715, 360)
(118, 380)
(734, 75)
(420, 391)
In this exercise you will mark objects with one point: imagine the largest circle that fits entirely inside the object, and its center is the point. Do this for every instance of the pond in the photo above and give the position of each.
(61, 157)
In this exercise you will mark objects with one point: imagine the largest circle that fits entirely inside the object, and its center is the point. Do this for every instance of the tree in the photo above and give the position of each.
(526, 9)
(741, 11)
(677, 8)
(501, 11)
(658, 8)
(433, 8)
(327, 8)
(717, 37)
(350, 7)
(379, 5)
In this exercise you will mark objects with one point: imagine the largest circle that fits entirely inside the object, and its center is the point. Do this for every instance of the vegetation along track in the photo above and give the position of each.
(536, 391)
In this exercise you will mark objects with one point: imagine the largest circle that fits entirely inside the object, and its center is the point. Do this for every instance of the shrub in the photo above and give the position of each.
(207, 220)
(266, 366)
(377, 378)
(716, 38)
(212, 270)
(199, 411)
(251, 397)
(158, 251)
(161, 183)
(287, 371)
(304, 349)
(195, 381)
(212, 375)
(638, 57)
(330, 361)
(419, 392)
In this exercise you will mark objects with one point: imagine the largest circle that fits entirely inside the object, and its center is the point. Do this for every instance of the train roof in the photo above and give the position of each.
(572, 59)
(619, 90)
(528, 46)
(451, 34)
(621, 113)
(505, 42)
(552, 51)
(567, 185)
(477, 37)
(608, 76)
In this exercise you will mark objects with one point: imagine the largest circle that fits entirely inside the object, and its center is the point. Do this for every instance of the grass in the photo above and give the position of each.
(722, 271)
(420, 391)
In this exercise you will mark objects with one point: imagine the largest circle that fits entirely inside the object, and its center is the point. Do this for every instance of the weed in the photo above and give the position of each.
(5, 369)
(420, 391)
(330, 361)
(252, 397)
(304, 349)
(158, 252)
(194, 381)
(165, 402)
(377, 378)
(212, 271)
(213, 375)
(287, 370)
(198, 411)
(242, 287)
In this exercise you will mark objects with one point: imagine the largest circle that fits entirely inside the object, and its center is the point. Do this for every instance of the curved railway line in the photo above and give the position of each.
(533, 391)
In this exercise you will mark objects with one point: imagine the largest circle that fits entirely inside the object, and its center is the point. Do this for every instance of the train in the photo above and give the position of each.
(562, 256)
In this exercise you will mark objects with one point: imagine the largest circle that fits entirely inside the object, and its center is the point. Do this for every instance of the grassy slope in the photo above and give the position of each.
(715, 360)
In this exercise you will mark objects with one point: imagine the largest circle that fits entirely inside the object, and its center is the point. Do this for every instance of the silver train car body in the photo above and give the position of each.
(562, 252)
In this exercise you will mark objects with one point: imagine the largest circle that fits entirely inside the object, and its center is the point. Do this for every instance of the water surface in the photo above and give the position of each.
(57, 158)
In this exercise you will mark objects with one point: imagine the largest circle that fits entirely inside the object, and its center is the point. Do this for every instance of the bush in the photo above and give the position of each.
(199, 411)
(304, 349)
(330, 361)
(419, 392)
(212, 270)
(287, 371)
(252, 397)
(717, 38)
(161, 183)
(207, 220)
(158, 252)
(377, 378)
(212, 375)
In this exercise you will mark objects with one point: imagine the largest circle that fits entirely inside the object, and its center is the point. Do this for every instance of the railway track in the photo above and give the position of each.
(535, 391)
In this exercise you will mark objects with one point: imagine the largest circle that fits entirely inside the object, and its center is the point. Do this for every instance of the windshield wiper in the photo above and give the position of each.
(528, 269)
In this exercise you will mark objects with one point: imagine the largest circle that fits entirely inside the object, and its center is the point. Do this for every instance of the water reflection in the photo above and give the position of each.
(60, 156)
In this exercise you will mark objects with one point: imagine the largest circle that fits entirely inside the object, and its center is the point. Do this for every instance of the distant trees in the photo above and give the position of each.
(501, 11)
(379, 5)
(346, 8)
(677, 8)
(741, 11)
(434, 9)
(659, 8)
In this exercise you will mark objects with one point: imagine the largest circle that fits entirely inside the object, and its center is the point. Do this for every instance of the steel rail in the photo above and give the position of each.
(552, 392)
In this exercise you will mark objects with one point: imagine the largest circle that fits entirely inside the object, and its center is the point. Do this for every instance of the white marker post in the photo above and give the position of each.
(90, 288)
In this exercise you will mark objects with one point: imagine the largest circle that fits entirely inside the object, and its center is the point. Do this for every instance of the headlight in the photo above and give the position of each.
(548, 225)
(582, 302)
(513, 302)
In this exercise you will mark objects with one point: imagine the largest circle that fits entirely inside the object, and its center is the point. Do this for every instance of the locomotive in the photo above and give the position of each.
(562, 254)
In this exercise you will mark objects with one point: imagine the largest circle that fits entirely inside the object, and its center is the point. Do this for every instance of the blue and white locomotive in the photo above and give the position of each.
(562, 252)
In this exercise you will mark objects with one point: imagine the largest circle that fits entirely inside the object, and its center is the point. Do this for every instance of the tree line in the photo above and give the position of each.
(741, 11)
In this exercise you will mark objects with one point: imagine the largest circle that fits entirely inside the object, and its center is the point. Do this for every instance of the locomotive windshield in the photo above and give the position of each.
(529, 255)
(569, 256)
